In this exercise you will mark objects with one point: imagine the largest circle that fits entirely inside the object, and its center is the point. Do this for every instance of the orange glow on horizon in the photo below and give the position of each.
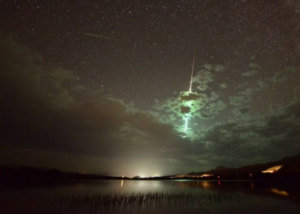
(279, 192)
(272, 169)
(206, 175)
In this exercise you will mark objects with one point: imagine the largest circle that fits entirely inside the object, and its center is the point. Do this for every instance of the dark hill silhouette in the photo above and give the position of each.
(18, 175)
(290, 169)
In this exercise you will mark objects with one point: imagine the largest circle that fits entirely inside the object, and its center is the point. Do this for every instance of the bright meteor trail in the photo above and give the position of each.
(191, 83)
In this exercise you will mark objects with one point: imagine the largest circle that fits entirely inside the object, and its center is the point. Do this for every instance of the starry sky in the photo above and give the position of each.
(104, 86)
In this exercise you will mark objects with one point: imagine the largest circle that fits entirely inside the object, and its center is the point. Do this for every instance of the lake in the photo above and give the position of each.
(149, 196)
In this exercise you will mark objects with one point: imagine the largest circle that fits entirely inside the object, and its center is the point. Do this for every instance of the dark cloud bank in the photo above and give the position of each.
(49, 119)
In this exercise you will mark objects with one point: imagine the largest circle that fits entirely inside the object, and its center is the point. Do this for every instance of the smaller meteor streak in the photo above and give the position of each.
(103, 37)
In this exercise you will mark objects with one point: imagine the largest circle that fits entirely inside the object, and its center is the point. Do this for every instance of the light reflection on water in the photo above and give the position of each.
(146, 196)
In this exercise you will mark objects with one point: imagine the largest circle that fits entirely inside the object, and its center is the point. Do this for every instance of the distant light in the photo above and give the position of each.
(279, 192)
(273, 169)
(206, 175)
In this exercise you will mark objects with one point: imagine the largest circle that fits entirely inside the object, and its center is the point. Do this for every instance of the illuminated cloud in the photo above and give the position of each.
(212, 109)
(249, 73)
(240, 100)
(240, 112)
(223, 85)
(284, 74)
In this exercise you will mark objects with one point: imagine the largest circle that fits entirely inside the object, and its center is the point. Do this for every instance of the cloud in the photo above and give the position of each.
(223, 85)
(254, 137)
(283, 75)
(212, 109)
(251, 140)
(249, 73)
(240, 100)
(45, 110)
(241, 112)
(294, 109)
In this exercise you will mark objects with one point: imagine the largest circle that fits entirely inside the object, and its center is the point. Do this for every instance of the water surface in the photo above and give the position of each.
(142, 196)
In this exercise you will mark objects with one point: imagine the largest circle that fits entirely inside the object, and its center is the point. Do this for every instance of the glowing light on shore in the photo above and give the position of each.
(206, 175)
(279, 192)
(272, 169)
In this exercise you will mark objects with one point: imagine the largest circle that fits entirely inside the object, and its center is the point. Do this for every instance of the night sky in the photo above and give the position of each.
(104, 86)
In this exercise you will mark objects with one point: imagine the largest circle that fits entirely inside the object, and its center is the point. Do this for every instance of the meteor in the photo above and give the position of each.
(102, 37)
(186, 124)
(190, 90)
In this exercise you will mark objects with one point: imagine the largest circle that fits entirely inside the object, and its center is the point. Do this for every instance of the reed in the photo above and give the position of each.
(137, 201)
